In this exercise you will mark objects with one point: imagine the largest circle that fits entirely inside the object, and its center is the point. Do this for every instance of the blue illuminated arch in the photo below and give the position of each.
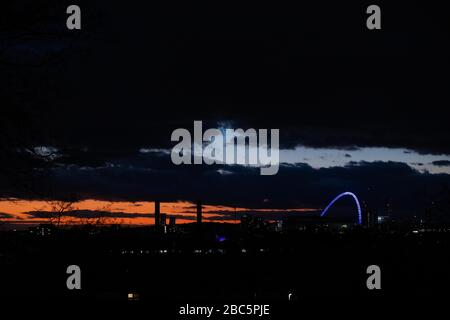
(343, 195)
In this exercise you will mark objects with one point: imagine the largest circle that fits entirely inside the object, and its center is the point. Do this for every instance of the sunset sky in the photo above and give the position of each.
(89, 114)
(34, 212)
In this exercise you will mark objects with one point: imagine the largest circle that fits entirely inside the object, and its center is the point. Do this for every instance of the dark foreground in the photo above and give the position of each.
(221, 266)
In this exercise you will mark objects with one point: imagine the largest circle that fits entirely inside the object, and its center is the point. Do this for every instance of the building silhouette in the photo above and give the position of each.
(157, 213)
(162, 219)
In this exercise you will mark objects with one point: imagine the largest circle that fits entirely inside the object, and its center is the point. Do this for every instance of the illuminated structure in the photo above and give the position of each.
(343, 195)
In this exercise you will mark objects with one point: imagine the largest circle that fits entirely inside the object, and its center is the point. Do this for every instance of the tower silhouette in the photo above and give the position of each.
(157, 213)
(199, 211)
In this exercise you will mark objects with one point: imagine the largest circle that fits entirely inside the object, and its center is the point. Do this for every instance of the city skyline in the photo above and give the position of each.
(200, 156)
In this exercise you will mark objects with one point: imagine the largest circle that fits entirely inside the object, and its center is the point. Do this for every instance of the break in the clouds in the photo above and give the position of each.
(338, 157)
(295, 186)
(328, 157)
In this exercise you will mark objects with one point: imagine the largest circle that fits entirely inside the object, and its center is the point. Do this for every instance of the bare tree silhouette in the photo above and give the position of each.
(58, 209)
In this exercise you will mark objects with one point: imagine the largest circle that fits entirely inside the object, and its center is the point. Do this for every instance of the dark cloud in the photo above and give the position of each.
(225, 215)
(441, 163)
(135, 81)
(147, 177)
(88, 214)
(6, 215)
(266, 214)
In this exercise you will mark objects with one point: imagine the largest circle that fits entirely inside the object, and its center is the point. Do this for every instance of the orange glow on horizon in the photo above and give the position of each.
(18, 211)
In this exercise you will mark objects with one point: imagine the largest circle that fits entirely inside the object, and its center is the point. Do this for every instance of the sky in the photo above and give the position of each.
(334, 157)
(24, 213)
(87, 115)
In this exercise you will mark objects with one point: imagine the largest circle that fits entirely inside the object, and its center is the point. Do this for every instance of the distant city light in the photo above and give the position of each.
(133, 296)
(221, 239)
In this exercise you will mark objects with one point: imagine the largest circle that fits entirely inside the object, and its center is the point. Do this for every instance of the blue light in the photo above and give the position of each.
(343, 195)
(220, 239)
